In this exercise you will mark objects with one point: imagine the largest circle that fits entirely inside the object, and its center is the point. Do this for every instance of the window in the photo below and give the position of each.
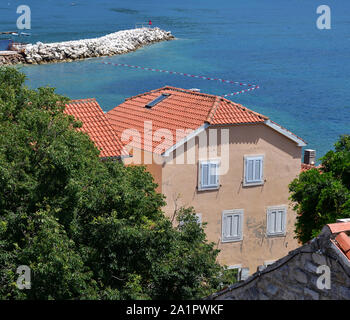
(233, 272)
(253, 170)
(157, 100)
(232, 222)
(208, 175)
(240, 273)
(276, 220)
(244, 275)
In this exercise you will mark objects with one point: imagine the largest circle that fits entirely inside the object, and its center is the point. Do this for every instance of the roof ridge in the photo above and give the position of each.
(213, 109)
(174, 89)
(215, 104)
(81, 100)
(189, 91)
(144, 93)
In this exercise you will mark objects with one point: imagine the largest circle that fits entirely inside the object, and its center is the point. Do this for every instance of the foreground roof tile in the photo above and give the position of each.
(344, 243)
(96, 125)
(341, 230)
(339, 227)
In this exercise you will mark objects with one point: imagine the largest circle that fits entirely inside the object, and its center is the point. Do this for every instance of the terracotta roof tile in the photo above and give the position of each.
(344, 243)
(182, 110)
(96, 125)
(306, 167)
(342, 240)
(339, 227)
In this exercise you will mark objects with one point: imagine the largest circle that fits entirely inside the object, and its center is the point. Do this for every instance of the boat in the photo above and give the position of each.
(7, 44)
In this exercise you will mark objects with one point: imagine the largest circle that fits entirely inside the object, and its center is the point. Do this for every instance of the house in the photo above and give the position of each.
(96, 125)
(231, 164)
(318, 270)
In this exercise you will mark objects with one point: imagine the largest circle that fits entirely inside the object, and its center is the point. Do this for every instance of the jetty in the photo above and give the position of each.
(112, 44)
(11, 52)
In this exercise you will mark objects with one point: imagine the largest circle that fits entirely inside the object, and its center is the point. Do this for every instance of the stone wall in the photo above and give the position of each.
(296, 276)
(11, 59)
(111, 44)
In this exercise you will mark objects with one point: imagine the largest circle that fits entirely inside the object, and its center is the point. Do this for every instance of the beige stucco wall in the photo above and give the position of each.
(152, 162)
(282, 158)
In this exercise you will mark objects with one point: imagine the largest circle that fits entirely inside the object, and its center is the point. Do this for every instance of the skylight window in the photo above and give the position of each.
(157, 100)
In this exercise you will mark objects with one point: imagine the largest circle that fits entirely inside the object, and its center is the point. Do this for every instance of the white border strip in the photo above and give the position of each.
(286, 133)
(184, 140)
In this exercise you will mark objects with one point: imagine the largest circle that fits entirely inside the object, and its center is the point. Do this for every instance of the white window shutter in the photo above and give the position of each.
(224, 227)
(235, 225)
(213, 174)
(230, 225)
(282, 214)
(271, 222)
(276, 220)
(232, 221)
(209, 174)
(253, 171)
(285, 220)
(250, 170)
(257, 169)
(205, 174)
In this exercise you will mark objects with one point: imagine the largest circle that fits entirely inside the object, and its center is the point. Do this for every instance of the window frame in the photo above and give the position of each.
(245, 170)
(237, 267)
(200, 175)
(269, 210)
(233, 212)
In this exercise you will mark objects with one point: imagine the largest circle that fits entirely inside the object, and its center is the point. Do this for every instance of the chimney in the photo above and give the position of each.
(195, 90)
(309, 156)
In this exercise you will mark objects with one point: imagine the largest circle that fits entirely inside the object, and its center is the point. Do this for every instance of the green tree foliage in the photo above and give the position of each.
(88, 229)
(323, 196)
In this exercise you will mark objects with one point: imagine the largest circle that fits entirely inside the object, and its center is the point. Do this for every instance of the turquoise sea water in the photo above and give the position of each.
(303, 72)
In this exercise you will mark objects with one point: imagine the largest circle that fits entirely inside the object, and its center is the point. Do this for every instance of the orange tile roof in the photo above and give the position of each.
(96, 125)
(306, 167)
(182, 110)
(344, 243)
(342, 240)
(339, 227)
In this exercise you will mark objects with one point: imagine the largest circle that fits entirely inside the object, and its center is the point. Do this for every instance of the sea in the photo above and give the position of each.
(303, 72)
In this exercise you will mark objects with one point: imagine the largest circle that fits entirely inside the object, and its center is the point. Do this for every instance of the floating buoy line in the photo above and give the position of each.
(251, 86)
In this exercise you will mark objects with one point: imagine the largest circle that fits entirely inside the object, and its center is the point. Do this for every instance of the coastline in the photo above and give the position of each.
(109, 45)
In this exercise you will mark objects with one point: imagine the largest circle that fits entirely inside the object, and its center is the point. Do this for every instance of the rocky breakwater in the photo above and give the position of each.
(111, 44)
(11, 58)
